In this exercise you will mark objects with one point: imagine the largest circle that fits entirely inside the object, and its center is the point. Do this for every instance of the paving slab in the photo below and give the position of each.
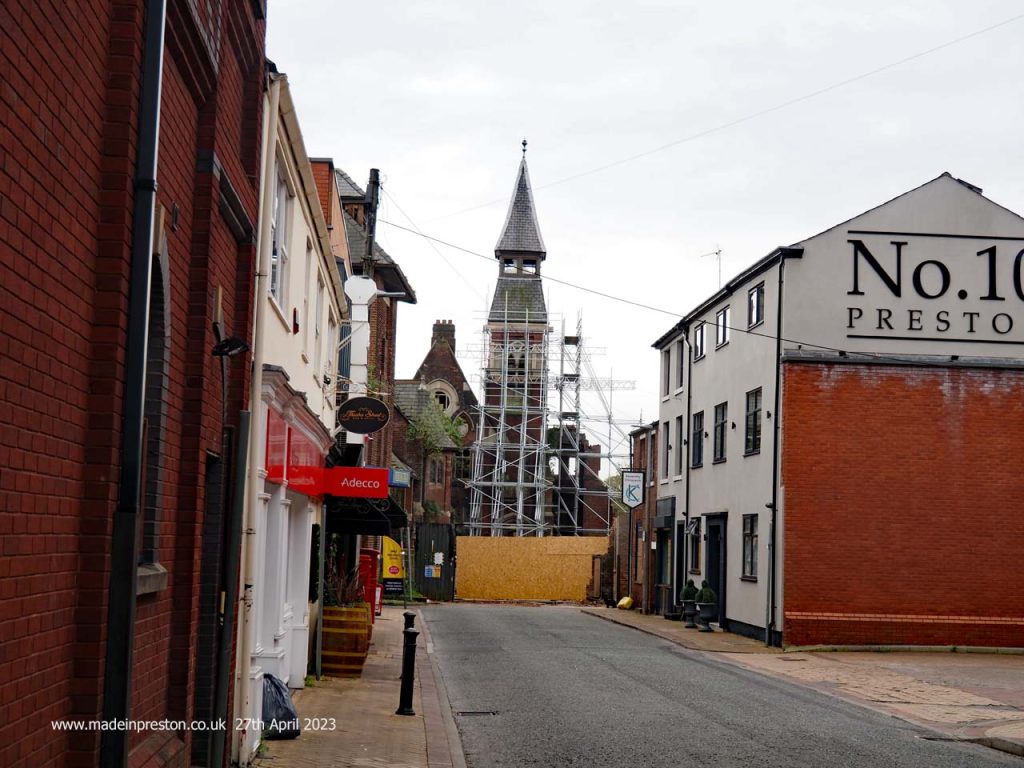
(358, 724)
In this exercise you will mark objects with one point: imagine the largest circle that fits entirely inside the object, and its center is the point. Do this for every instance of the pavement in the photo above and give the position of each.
(975, 697)
(352, 722)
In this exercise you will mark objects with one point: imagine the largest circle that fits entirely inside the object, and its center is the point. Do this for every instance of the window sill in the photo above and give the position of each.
(700, 357)
(759, 322)
(751, 579)
(723, 344)
(752, 453)
(305, 357)
(719, 461)
(279, 312)
(663, 481)
(677, 478)
(697, 466)
(679, 390)
(695, 571)
(150, 578)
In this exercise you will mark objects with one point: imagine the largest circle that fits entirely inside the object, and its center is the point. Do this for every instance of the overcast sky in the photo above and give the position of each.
(438, 95)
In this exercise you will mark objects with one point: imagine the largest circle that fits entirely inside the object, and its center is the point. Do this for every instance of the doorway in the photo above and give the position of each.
(716, 563)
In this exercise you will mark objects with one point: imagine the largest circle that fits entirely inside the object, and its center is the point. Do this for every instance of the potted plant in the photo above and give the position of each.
(688, 597)
(706, 600)
(346, 619)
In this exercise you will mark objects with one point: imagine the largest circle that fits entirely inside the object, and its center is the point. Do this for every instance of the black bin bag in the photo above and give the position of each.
(280, 720)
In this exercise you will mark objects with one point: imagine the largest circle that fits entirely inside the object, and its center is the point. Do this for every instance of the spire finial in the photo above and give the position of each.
(524, 147)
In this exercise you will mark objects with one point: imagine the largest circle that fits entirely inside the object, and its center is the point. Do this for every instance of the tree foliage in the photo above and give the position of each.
(431, 428)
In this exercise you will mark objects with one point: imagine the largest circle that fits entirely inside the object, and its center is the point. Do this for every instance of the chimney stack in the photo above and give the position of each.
(444, 329)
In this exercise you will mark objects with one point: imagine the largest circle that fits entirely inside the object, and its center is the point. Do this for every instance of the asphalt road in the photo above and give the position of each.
(549, 686)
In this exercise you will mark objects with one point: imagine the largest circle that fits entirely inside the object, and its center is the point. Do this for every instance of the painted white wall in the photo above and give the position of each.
(309, 271)
(943, 222)
(298, 331)
(742, 484)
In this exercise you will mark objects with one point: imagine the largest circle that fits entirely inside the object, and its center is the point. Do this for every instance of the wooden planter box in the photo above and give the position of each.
(346, 639)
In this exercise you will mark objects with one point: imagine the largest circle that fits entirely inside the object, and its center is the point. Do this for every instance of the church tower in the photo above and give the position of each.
(509, 485)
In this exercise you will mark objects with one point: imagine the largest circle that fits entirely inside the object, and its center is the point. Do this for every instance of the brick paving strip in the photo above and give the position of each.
(975, 697)
(368, 733)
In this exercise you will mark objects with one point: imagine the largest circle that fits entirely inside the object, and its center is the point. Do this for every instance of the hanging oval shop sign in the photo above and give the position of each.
(363, 415)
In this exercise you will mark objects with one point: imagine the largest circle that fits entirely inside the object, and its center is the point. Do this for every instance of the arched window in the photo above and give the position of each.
(155, 407)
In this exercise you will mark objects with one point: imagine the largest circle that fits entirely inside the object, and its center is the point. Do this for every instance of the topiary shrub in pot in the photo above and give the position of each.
(688, 597)
(706, 600)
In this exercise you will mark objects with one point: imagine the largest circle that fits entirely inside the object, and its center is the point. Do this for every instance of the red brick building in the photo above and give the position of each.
(390, 279)
(636, 560)
(440, 477)
(72, 167)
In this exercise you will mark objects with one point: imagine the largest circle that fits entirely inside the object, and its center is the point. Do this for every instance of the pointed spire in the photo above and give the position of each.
(521, 235)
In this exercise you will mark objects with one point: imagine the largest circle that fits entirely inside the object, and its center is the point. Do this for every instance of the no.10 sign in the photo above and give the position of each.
(632, 488)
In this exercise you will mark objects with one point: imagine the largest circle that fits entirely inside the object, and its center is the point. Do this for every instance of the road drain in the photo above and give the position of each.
(476, 713)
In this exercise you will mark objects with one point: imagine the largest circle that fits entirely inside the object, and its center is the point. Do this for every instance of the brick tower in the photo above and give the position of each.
(509, 484)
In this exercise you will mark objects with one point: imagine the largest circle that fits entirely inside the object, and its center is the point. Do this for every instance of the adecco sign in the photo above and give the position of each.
(358, 482)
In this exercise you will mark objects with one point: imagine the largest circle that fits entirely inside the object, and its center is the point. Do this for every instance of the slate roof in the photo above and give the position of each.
(521, 233)
(522, 297)
(346, 186)
(357, 243)
(409, 398)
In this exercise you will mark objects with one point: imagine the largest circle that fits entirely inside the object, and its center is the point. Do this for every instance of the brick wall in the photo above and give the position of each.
(902, 505)
(69, 87)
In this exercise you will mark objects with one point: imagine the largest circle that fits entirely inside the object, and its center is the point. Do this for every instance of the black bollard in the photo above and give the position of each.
(410, 619)
(408, 667)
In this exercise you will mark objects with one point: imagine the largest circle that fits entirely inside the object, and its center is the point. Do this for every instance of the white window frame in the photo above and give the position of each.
(278, 282)
(331, 345)
(318, 324)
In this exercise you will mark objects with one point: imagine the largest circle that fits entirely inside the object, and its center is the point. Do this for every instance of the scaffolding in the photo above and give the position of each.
(509, 484)
(533, 471)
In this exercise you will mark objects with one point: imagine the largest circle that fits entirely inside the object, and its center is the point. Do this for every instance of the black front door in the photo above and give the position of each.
(716, 563)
